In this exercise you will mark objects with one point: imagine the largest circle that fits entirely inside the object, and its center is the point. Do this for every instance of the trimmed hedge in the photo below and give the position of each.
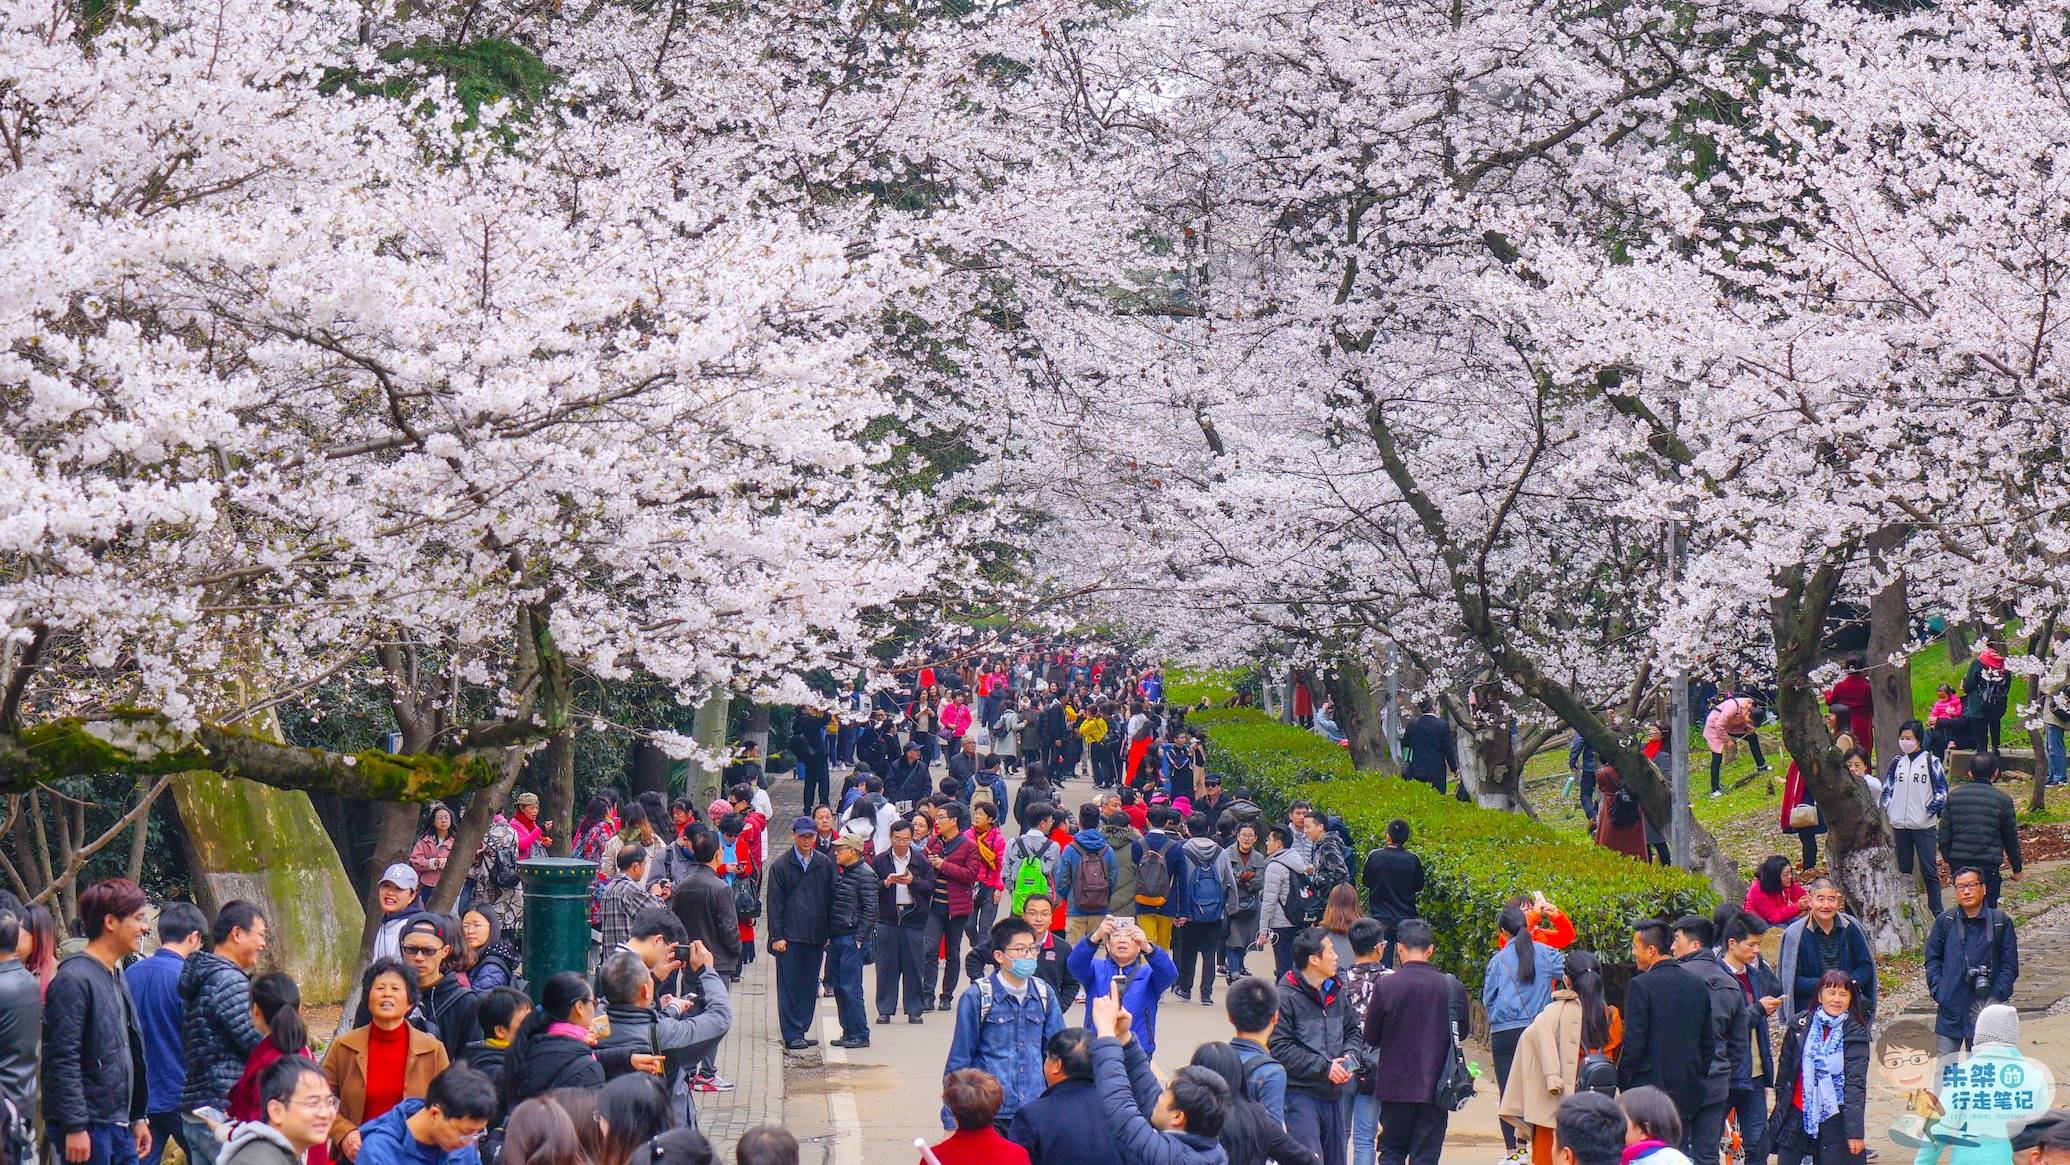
(1473, 858)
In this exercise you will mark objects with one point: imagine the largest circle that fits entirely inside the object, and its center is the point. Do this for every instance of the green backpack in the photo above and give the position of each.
(1028, 878)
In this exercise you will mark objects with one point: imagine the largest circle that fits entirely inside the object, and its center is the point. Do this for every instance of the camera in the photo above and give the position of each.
(1980, 981)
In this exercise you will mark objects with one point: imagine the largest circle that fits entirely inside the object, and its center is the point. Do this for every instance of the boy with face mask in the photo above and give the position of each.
(1010, 1051)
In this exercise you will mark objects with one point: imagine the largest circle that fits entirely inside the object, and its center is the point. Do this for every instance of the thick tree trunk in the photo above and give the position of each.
(1863, 861)
(1890, 632)
(1958, 639)
(757, 729)
(556, 776)
(647, 768)
(708, 728)
(1358, 715)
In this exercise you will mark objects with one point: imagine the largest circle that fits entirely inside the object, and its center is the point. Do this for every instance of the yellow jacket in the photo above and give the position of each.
(1093, 729)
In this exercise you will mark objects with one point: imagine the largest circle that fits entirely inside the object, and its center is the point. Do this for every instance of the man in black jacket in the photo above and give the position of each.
(1739, 952)
(905, 884)
(852, 933)
(800, 916)
(1731, 1049)
(93, 1051)
(704, 903)
(1057, 1128)
(216, 1029)
(908, 779)
(446, 1006)
(1969, 941)
(1979, 826)
(1433, 754)
(1393, 878)
(1315, 1042)
(1668, 1038)
(809, 748)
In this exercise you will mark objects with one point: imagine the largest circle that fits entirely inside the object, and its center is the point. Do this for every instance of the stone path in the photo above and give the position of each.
(751, 1056)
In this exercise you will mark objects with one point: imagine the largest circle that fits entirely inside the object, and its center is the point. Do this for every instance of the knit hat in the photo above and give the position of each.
(1998, 1024)
(719, 808)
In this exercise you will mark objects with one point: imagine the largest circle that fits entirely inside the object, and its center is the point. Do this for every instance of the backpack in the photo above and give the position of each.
(1301, 903)
(747, 896)
(1598, 1074)
(1623, 810)
(1994, 686)
(1091, 887)
(1028, 878)
(1153, 878)
(503, 869)
(997, 727)
(1455, 1079)
(1208, 901)
(17, 1133)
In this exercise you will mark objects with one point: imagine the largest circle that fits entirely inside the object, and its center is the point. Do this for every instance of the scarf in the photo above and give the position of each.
(1822, 1068)
(1638, 1149)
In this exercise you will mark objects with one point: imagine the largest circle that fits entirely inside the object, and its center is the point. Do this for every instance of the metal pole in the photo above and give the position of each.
(1391, 724)
(1678, 733)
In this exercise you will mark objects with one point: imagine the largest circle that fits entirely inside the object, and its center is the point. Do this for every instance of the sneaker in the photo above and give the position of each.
(883, 1019)
(861, 1041)
(701, 1084)
(1716, 793)
(717, 1083)
(916, 1019)
(799, 1045)
(1184, 994)
(1207, 1001)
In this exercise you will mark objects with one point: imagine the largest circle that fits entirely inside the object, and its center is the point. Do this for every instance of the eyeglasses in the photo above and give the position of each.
(316, 1103)
(1020, 952)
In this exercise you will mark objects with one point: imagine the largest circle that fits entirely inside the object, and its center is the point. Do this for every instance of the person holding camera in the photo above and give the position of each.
(1972, 959)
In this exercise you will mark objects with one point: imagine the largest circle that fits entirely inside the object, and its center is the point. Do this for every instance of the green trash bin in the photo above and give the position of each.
(556, 917)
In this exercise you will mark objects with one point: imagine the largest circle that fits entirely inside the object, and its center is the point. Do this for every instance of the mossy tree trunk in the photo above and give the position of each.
(1863, 862)
(1358, 714)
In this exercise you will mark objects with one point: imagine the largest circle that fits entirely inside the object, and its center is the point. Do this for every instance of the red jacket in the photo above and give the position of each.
(1852, 693)
(961, 869)
(979, 1147)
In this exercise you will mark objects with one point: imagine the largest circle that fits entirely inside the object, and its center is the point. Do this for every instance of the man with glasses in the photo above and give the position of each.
(300, 1110)
(1972, 958)
(216, 1029)
(1011, 1050)
(440, 1129)
(446, 1007)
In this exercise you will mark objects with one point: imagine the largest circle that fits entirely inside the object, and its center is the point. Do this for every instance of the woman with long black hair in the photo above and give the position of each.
(1517, 986)
(552, 1047)
(1249, 1134)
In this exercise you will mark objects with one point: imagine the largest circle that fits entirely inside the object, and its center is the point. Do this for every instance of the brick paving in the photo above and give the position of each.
(751, 1056)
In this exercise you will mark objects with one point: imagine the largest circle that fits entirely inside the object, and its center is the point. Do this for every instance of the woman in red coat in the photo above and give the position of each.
(1627, 838)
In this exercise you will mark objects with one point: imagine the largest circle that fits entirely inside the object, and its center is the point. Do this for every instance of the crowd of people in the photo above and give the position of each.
(1081, 924)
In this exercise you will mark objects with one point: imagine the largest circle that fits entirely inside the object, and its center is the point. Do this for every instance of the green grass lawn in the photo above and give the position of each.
(1746, 819)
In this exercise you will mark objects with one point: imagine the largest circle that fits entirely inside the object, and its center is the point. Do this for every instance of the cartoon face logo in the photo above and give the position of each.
(1908, 1069)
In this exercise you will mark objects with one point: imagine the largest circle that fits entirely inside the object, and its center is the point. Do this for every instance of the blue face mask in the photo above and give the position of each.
(1022, 968)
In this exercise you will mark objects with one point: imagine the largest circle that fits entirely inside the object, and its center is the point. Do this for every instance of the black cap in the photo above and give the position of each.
(2053, 1126)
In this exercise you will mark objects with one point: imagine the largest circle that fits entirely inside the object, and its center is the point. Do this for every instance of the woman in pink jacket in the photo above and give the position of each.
(434, 849)
(1731, 719)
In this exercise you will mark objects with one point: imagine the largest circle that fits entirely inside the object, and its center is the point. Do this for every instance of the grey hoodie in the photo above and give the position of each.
(1202, 852)
(1278, 878)
(258, 1143)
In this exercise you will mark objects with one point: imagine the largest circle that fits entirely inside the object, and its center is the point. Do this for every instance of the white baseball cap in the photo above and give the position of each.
(400, 876)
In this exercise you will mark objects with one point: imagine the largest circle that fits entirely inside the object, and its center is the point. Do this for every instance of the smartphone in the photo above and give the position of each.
(211, 1114)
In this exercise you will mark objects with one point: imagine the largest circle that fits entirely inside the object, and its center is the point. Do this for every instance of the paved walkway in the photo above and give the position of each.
(751, 1056)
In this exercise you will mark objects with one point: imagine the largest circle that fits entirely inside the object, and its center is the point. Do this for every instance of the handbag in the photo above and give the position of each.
(1803, 815)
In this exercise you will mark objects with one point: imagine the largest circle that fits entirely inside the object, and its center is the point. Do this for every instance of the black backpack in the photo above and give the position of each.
(1598, 1074)
(747, 897)
(1623, 810)
(1301, 903)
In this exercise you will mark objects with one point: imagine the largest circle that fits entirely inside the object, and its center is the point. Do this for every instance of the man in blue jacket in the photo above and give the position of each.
(1824, 939)
(1185, 1117)
(1004, 1022)
(154, 986)
(440, 1129)
(1971, 946)
(1087, 898)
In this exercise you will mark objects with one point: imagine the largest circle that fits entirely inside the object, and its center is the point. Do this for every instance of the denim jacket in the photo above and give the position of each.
(1007, 1041)
(1512, 1005)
